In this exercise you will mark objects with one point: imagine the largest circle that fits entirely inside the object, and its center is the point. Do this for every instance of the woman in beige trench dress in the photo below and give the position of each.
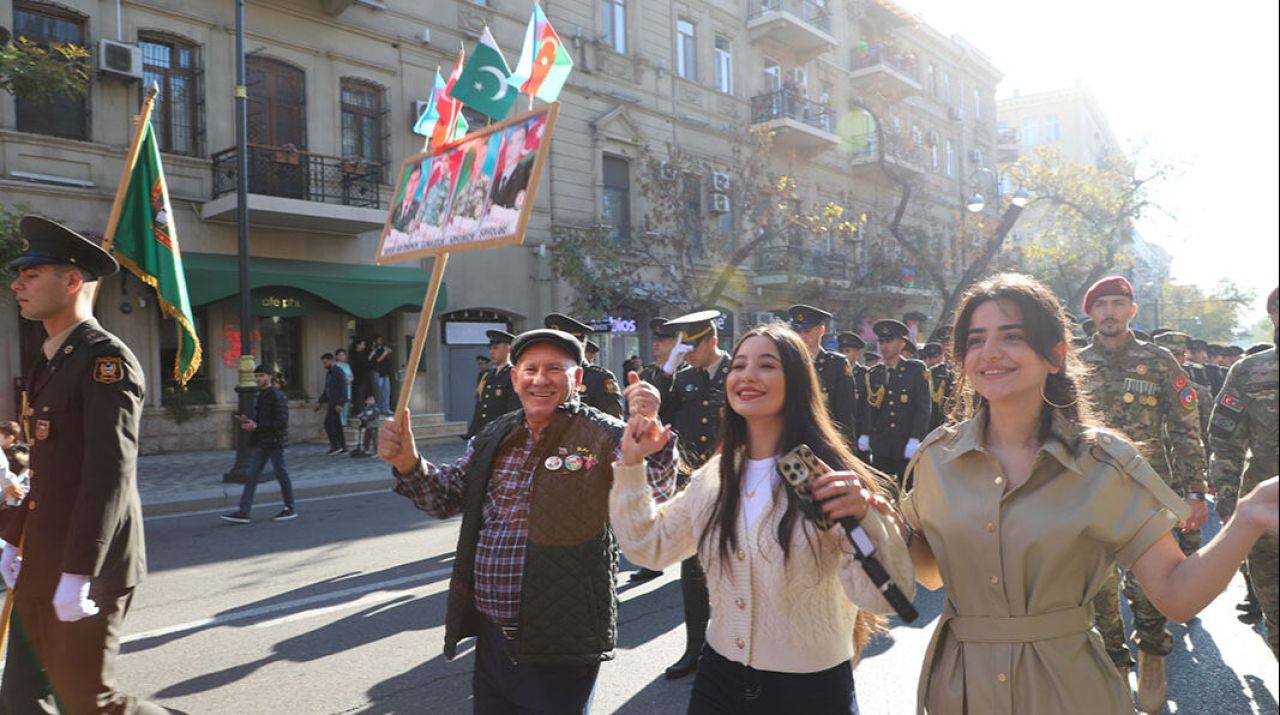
(1022, 509)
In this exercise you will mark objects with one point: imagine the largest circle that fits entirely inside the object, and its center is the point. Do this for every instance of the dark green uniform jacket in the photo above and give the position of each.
(83, 515)
(568, 607)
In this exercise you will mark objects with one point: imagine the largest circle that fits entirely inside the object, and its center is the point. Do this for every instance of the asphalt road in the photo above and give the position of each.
(341, 611)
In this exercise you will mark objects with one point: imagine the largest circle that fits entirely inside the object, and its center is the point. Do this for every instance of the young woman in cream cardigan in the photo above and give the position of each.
(790, 607)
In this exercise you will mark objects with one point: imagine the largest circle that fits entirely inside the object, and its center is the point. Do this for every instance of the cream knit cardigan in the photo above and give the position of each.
(792, 618)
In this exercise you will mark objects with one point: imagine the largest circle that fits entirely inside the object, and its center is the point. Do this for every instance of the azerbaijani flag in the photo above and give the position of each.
(145, 241)
(544, 62)
(451, 124)
(426, 123)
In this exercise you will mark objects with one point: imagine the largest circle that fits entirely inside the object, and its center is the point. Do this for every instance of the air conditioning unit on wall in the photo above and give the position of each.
(119, 59)
(720, 203)
(720, 182)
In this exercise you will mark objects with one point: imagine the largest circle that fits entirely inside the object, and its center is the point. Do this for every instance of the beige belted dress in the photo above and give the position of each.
(1021, 567)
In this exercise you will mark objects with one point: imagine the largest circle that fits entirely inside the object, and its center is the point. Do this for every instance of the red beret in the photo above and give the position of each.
(1111, 285)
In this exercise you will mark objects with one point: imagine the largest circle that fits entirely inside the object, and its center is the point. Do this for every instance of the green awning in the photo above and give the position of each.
(361, 290)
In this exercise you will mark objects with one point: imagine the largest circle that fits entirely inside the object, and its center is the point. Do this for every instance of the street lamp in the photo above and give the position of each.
(976, 201)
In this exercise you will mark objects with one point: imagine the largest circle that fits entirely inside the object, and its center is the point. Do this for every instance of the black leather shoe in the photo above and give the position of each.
(686, 665)
(643, 575)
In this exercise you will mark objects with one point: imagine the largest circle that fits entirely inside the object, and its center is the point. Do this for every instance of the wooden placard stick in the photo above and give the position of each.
(420, 335)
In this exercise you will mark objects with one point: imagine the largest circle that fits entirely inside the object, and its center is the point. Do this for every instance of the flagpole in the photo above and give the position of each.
(130, 160)
(420, 335)
(144, 116)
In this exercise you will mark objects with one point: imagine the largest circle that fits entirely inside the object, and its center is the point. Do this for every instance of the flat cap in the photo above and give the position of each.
(51, 243)
(850, 340)
(694, 326)
(1111, 285)
(804, 317)
(565, 341)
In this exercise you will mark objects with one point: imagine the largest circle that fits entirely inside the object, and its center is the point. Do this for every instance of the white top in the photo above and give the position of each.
(758, 481)
(793, 617)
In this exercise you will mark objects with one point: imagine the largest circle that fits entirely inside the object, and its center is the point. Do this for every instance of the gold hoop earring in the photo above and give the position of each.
(1050, 403)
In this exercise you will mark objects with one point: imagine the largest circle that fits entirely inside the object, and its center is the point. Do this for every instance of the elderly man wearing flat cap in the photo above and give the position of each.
(81, 529)
(494, 394)
(533, 577)
(1139, 389)
(599, 387)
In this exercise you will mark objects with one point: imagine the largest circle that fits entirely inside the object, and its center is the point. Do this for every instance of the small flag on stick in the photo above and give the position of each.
(483, 82)
(544, 62)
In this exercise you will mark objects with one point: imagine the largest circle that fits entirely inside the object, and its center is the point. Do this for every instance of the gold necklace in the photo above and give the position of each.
(751, 493)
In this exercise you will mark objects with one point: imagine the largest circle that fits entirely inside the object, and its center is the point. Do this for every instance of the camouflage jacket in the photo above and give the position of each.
(1141, 391)
(1244, 418)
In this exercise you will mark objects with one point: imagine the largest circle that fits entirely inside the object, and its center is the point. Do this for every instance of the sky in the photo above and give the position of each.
(1191, 86)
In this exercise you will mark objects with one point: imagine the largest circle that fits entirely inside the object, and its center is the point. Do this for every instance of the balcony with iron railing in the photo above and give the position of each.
(297, 189)
(802, 26)
(775, 265)
(899, 151)
(884, 69)
(796, 121)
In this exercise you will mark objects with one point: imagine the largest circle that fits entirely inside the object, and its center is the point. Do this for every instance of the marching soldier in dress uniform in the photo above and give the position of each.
(696, 399)
(898, 402)
(835, 371)
(599, 387)
(851, 346)
(82, 546)
(661, 341)
(1140, 390)
(494, 395)
(1245, 419)
(870, 358)
(939, 384)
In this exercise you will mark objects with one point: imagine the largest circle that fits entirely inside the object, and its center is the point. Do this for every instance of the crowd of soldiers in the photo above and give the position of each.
(1204, 415)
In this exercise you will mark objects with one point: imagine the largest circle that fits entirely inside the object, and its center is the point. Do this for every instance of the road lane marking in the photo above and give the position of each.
(249, 614)
(223, 509)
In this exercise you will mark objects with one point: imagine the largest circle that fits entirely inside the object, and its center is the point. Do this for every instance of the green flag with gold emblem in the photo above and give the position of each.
(146, 243)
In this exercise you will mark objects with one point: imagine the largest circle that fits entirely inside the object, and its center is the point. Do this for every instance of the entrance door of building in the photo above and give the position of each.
(460, 381)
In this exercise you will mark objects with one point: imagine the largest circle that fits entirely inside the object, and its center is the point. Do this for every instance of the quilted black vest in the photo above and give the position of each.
(568, 605)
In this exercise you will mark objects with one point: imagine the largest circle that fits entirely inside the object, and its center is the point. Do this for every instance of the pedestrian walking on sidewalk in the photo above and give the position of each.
(333, 400)
(268, 436)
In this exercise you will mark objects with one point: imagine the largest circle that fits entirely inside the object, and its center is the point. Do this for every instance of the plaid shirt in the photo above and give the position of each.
(500, 551)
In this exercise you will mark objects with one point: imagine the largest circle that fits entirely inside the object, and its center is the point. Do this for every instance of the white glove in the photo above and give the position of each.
(912, 445)
(676, 357)
(71, 600)
(10, 564)
(864, 443)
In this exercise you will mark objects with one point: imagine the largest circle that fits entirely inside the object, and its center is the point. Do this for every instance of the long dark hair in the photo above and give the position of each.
(1046, 326)
(805, 421)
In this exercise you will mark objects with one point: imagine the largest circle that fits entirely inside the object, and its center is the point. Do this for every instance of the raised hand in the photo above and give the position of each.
(642, 437)
(642, 398)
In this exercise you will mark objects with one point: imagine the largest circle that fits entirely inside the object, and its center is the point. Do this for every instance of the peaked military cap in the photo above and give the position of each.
(658, 328)
(1214, 350)
(850, 340)
(931, 350)
(482, 358)
(1160, 331)
(889, 328)
(1233, 350)
(941, 334)
(572, 326)
(909, 347)
(565, 341)
(804, 317)
(1255, 349)
(499, 336)
(869, 357)
(1198, 344)
(51, 243)
(694, 326)
(592, 348)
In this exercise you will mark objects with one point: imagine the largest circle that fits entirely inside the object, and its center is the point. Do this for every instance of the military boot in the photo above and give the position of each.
(1152, 692)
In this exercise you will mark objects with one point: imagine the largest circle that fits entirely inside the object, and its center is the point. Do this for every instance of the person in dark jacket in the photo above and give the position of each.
(333, 400)
(533, 577)
(361, 384)
(268, 436)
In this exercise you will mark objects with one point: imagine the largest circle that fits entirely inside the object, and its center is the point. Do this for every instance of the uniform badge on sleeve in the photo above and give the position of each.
(1231, 403)
(108, 370)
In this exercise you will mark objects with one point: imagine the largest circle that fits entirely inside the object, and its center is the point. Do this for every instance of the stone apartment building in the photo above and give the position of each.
(333, 90)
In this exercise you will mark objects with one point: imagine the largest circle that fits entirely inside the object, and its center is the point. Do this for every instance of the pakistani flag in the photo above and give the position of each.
(483, 82)
(145, 241)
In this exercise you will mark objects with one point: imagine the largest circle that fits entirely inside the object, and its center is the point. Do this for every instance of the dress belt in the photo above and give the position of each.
(1022, 629)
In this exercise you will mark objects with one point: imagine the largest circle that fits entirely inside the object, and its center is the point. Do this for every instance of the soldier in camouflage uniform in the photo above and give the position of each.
(1178, 344)
(835, 372)
(1140, 390)
(1245, 418)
